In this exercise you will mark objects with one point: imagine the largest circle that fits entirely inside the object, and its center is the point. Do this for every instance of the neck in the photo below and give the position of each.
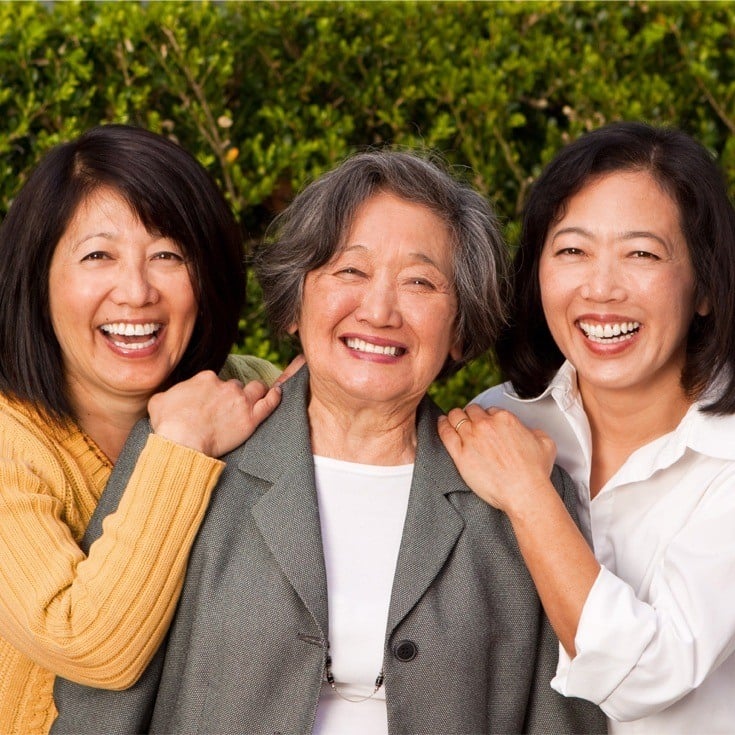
(109, 423)
(621, 422)
(368, 434)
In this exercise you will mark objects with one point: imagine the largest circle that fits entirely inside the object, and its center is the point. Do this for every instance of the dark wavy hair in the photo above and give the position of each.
(310, 231)
(527, 353)
(172, 195)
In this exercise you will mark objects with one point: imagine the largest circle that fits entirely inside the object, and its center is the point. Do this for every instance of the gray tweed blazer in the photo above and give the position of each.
(467, 646)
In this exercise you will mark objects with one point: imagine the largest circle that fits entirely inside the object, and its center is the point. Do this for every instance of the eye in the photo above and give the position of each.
(168, 255)
(644, 254)
(349, 272)
(422, 283)
(96, 255)
(569, 251)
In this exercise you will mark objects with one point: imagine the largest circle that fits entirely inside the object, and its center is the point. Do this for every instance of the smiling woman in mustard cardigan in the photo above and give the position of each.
(120, 275)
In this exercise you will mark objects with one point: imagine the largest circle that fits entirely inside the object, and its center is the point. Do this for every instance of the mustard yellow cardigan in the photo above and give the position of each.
(95, 619)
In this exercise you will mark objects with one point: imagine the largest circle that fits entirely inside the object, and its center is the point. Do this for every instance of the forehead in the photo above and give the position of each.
(103, 212)
(387, 219)
(624, 201)
(102, 202)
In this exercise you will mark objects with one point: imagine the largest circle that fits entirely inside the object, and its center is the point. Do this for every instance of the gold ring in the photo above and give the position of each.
(459, 423)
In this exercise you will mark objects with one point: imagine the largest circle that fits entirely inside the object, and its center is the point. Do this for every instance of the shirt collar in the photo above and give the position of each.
(562, 388)
(705, 433)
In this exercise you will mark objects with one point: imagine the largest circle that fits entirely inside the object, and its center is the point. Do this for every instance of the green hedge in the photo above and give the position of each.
(269, 95)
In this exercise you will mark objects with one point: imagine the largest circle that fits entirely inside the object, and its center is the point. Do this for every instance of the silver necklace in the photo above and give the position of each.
(329, 676)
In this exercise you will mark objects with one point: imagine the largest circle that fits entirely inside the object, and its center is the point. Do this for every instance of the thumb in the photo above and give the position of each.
(450, 438)
(291, 369)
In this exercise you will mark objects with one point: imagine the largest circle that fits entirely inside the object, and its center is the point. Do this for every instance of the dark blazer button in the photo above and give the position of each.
(405, 650)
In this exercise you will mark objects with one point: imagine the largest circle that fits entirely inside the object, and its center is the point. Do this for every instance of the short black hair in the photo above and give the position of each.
(689, 174)
(311, 230)
(171, 194)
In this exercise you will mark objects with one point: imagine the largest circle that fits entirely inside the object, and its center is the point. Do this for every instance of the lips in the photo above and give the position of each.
(610, 332)
(129, 336)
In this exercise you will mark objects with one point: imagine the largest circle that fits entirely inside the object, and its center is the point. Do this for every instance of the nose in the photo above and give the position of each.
(379, 304)
(133, 286)
(603, 282)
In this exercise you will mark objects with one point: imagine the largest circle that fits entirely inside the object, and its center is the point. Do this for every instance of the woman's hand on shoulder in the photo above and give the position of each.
(291, 369)
(211, 415)
(499, 458)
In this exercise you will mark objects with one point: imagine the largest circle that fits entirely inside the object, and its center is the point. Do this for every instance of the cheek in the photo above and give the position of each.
(184, 301)
(559, 286)
(326, 307)
(552, 295)
(673, 295)
(424, 323)
(688, 310)
(544, 278)
(58, 295)
(67, 309)
(321, 310)
(192, 311)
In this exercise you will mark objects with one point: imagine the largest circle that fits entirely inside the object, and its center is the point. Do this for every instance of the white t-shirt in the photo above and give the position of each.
(656, 638)
(362, 509)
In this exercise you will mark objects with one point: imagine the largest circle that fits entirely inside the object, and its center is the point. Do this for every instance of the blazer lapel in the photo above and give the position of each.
(432, 525)
(287, 514)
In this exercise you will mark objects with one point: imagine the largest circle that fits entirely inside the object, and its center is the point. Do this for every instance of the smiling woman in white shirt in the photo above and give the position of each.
(620, 357)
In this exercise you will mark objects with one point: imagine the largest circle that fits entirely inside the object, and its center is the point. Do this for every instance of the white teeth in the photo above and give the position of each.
(130, 330)
(134, 345)
(609, 332)
(124, 329)
(361, 346)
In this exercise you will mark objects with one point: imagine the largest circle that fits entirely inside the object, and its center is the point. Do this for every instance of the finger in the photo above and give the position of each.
(254, 391)
(205, 375)
(291, 369)
(547, 443)
(450, 438)
(264, 407)
(475, 412)
(455, 416)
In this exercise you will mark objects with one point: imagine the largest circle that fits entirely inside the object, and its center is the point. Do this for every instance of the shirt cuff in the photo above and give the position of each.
(614, 630)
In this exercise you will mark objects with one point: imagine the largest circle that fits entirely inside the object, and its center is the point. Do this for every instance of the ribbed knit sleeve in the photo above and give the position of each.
(96, 620)
(246, 368)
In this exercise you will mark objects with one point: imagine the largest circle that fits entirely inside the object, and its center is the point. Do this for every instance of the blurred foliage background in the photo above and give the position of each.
(270, 94)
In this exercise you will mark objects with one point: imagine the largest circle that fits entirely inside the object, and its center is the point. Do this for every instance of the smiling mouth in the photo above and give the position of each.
(609, 333)
(131, 336)
(360, 345)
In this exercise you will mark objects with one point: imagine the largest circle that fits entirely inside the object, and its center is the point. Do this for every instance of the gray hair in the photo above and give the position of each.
(311, 230)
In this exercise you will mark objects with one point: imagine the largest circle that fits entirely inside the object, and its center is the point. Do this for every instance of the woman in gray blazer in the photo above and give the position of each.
(345, 579)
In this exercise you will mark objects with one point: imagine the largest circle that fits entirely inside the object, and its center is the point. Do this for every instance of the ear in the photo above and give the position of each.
(704, 307)
(455, 351)
(292, 329)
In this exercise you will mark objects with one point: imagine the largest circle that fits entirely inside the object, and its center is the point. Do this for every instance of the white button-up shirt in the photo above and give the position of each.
(657, 633)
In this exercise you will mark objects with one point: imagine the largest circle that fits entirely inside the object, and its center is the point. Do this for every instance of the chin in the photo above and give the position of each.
(134, 386)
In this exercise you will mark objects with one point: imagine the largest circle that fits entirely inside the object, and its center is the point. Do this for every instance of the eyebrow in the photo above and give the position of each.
(91, 236)
(628, 235)
(426, 259)
(363, 248)
(111, 236)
